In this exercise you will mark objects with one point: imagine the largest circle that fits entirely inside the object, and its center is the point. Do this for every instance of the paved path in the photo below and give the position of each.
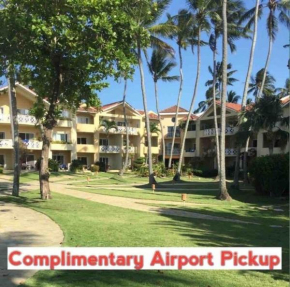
(20, 226)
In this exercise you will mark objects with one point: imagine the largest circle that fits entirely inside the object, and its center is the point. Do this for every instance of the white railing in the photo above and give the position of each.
(211, 132)
(110, 148)
(22, 119)
(230, 151)
(120, 130)
(6, 143)
(132, 149)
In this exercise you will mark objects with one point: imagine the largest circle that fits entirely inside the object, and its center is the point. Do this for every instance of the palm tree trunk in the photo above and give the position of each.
(215, 115)
(160, 122)
(245, 164)
(127, 132)
(267, 64)
(14, 129)
(246, 87)
(178, 104)
(147, 124)
(223, 186)
(191, 104)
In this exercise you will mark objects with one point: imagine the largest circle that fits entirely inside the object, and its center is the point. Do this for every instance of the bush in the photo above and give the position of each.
(170, 172)
(144, 171)
(76, 165)
(1, 169)
(159, 169)
(53, 165)
(270, 174)
(101, 165)
(138, 163)
(95, 168)
(205, 172)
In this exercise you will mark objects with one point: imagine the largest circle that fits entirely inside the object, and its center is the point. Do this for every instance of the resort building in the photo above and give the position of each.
(83, 135)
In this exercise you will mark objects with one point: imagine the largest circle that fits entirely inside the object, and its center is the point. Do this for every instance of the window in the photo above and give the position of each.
(26, 136)
(104, 142)
(173, 119)
(82, 120)
(2, 162)
(191, 126)
(81, 141)
(121, 124)
(255, 143)
(170, 132)
(104, 160)
(30, 158)
(60, 137)
(58, 158)
(23, 111)
(83, 160)
(65, 114)
(2, 135)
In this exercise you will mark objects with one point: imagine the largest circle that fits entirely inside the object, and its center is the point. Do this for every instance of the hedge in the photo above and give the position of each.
(270, 174)
(205, 172)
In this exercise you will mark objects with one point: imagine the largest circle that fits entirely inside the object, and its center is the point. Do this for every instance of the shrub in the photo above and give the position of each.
(95, 168)
(76, 165)
(270, 174)
(101, 165)
(1, 169)
(53, 165)
(159, 169)
(205, 172)
(144, 171)
(138, 163)
(170, 172)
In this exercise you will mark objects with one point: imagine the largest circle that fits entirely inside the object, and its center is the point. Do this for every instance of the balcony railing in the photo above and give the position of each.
(131, 149)
(22, 119)
(109, 149)
(211, 132)
(30, 144)
(176, 151)
(122, 130)
(230, 151)
(170, 135)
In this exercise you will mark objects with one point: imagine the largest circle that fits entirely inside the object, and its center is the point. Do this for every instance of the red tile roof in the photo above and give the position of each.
(235, 107)
(285, 100)
(193, 117)
(83, 108)
(173, 110)
(105, 107)
(141, 112)
(153, 116)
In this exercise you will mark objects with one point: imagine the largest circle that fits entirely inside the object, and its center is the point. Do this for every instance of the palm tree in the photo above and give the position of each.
(160, 65)
(254, 14)
(146, 13)
(182, 21)
(127, 131)
(272, 28)
(154, 129)
(223, 186)
(256, 84)
(283, 92)
(108, 125)
(202, 10)
(233, 97)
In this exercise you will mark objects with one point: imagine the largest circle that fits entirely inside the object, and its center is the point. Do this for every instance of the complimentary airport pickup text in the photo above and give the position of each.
(144, 258)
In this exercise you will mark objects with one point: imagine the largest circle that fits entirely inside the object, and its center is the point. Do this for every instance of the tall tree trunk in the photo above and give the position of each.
(246, 87)
(127, 132)
(223, 185)
(266, 65)
(191, 104)
(14, 129)
(245, 163)
(44, 171)
(160, 122)
(147, 123)
(178, 104)
(215, 115)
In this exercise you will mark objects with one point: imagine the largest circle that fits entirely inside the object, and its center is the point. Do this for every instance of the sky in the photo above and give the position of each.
(168, 91)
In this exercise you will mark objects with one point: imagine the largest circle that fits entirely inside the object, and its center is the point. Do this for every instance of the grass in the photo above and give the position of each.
(88, 223)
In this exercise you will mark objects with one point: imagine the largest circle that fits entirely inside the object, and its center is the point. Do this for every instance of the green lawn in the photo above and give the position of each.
(88, 223)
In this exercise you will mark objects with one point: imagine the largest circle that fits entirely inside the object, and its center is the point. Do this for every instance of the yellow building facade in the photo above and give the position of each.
(80, 135)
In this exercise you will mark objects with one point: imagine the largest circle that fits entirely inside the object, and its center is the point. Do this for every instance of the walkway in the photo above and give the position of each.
(20, 226)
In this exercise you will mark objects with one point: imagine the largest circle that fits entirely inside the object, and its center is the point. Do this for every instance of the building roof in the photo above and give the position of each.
(152, 116)
(83, 108)
(173, 110)
(285, 100)
(193, 117)
(111, 105)
(232, 106)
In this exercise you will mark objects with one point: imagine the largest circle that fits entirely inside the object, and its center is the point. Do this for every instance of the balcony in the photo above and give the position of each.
(212, 152)
(29, 144)
(61, 146)
(66, 123)
(86, 148)
(176, 151)
(121, 130)
(228, 131)
(22, 119)
(170, 135)
(86, 128)
(154, 150)
(190, 152)
(132, 149)
(109, 149)
(191, 134)
(231, 151)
